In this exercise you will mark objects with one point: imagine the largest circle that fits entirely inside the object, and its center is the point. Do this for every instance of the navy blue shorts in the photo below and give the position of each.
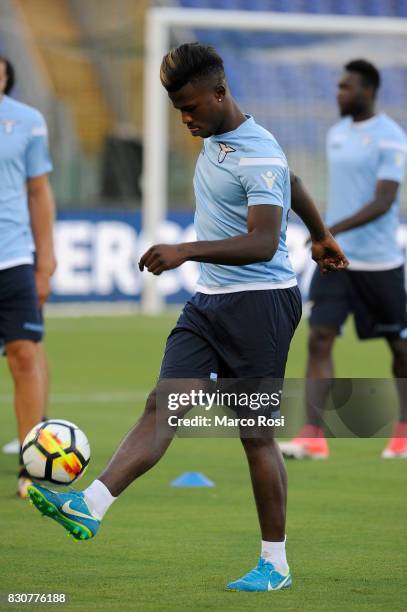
(245, 334)
(377, 300)
(20, 315)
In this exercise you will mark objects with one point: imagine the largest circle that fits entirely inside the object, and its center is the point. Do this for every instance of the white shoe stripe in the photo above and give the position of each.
(280, 586)
(66, 508)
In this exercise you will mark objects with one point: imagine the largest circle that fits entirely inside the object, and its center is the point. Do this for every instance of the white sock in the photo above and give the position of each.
(98, 498)
(274, 552)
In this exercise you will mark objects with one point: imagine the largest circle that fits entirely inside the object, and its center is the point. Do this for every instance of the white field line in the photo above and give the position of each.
(96, 397)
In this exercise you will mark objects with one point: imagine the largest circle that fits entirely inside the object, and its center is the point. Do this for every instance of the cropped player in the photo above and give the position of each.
(240, 322)
(13, 447)
(367, 154)
(26, 223)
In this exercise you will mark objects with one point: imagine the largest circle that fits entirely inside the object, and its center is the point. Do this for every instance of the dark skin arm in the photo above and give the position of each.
(325, 250)
(385, 195)
(42, 212)
(259, 244)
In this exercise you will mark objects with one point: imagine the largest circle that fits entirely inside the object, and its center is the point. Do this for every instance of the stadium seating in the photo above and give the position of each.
(392, 8)
(271, 85)
(56, 35)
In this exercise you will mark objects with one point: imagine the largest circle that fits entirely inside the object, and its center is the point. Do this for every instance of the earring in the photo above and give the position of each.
(219, 99)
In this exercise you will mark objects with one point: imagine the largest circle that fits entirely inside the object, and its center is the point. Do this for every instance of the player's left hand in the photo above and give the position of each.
(161, 257)
(328, 254)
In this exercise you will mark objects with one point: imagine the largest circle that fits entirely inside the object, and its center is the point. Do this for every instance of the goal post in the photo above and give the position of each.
(159, 24)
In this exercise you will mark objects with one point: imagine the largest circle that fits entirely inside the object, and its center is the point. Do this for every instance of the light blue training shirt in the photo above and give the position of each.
(23, 154)
(360, 154)
(235, 170)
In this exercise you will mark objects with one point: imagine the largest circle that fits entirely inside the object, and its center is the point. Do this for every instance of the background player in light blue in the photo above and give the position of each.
(366, 153)
(240, 322)
(26, 225)
(13, 447)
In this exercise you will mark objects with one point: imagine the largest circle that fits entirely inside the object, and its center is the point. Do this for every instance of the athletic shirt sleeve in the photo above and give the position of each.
(37, 158)
(264, 179)
(392, 159)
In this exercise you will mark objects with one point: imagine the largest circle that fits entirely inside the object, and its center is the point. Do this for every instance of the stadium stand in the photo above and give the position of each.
(57, 35)
(375, 8)
(87, 64)
(281, 76)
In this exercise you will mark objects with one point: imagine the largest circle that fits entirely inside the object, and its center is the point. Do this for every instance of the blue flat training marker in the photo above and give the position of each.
(192, 479)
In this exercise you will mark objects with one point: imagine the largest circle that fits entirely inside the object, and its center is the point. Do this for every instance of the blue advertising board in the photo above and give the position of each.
(98, 253)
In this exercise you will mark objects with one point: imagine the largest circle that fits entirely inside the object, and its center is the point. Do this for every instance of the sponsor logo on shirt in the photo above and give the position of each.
(269, 178)
(399, 159)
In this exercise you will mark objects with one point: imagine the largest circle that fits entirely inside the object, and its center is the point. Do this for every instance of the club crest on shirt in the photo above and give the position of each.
(224, 149)
(8, 125)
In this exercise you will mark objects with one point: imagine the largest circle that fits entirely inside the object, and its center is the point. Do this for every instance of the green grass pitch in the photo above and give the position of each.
(161, 548)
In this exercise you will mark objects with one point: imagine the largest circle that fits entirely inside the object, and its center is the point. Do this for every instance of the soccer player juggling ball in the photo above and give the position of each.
(240, 322)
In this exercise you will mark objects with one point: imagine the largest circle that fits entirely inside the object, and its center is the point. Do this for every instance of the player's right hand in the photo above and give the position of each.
(161, 257)
(42, 281)
(44, 269)
(328, 254)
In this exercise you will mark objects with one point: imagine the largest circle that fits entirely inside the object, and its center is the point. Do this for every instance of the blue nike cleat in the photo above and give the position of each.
(68, 509)
(262, 578)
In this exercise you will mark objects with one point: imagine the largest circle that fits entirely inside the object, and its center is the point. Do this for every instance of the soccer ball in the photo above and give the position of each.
(56, 451)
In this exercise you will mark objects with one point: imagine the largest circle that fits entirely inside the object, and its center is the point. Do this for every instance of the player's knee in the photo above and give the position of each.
(256, 445)
(320, 342)
(22, 357)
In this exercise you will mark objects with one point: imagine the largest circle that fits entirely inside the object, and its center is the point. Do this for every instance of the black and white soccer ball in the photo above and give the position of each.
(56, 451)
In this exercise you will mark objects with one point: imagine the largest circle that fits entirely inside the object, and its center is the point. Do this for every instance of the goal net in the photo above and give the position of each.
(281, 68)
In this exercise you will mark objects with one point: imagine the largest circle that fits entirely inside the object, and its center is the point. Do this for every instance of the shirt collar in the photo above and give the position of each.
(366, 123)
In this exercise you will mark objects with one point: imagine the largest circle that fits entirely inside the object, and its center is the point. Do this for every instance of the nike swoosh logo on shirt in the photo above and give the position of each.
(68, 510)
